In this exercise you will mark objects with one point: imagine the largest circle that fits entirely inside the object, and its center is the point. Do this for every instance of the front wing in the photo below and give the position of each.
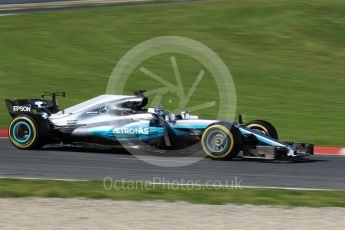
(262, 146)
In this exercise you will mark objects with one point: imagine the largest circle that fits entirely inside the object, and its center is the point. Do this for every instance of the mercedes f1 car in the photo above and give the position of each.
(115, 119)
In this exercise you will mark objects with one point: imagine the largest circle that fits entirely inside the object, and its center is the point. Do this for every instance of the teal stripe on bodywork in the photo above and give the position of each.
(155, 132)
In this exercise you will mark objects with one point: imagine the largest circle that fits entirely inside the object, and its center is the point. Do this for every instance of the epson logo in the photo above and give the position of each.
(144, 131)
(21, 109)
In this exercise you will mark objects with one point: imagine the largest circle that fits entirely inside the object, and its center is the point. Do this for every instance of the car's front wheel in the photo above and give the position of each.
(221, 141)
(28, 132)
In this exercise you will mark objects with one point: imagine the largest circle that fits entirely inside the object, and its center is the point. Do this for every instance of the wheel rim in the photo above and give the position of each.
(217, 141)
(22, 132)
(260, 131)
(259, 128)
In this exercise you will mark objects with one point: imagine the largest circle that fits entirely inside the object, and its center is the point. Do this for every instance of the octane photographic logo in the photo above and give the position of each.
(180, 92)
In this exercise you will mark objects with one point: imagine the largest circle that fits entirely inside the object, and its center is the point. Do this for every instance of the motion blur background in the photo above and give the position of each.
(286, 57)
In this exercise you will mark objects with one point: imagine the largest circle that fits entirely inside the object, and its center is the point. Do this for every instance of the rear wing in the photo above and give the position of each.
(29, 106)
(18, 107)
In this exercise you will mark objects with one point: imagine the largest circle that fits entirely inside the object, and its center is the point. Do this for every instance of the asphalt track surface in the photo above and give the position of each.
(67, 7)
(321, 172)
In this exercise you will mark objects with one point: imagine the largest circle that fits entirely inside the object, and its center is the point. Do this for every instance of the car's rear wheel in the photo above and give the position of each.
(221, 141)
(28, 132)
(263, 127)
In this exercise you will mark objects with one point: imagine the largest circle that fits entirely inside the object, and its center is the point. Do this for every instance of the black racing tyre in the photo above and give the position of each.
(263, 127)
(28, 132)
(221, 141)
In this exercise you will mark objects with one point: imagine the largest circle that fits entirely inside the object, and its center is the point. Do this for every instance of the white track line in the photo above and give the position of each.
(42, 5)
(43, 178)
(3, 15)
(178, 184)
(244, 186)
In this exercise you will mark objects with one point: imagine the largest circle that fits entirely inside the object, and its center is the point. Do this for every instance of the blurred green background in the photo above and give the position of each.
(286, 57)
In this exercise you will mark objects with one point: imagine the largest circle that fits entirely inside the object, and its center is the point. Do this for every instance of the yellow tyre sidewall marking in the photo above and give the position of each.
(227, 131)
(33, 127)
(253, 126)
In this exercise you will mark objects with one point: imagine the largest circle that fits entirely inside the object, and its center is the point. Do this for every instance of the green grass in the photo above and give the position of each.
(14, 188)
(286, 57)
